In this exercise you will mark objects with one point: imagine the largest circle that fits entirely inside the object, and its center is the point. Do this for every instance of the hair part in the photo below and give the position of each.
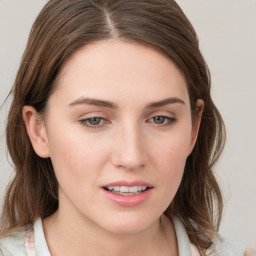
(61, 28)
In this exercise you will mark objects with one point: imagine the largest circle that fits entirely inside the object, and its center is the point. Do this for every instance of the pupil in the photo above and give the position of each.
(94, 120)
(159, 119)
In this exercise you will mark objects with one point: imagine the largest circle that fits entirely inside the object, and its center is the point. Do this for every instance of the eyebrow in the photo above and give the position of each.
(165, 102)
(94, 102)
(108, 104)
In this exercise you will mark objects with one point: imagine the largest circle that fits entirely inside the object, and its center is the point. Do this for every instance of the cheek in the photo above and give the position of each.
(168, 167)
(171, 163)
(171, 150)
(169, 156)
(75, 155)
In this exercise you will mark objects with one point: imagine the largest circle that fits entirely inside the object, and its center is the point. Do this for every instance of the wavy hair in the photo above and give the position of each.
(61, 28)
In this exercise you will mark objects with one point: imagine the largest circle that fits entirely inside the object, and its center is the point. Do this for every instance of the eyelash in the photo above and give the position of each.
(84, 122)
(168, 121)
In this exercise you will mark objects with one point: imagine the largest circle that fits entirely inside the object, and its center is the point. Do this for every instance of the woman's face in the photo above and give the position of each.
(118, 131)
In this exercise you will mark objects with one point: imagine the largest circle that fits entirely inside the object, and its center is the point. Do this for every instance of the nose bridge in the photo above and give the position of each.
(129, 150)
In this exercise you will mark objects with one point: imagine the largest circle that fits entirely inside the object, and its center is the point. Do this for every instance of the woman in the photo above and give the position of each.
(113, 134)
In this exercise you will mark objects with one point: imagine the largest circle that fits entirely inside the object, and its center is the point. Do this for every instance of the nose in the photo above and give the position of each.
(129, 149)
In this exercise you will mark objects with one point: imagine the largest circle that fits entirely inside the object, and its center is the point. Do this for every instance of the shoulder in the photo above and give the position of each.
(14, 243)
(224, 247)
(228, 247)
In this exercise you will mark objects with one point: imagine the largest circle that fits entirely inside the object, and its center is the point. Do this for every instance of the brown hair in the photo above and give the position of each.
(62, 27)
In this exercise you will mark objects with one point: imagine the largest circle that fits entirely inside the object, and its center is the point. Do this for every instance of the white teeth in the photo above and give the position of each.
(134, 189)
(125, 189)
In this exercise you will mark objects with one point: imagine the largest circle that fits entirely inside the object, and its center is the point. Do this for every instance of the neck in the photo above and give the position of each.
(66, 235)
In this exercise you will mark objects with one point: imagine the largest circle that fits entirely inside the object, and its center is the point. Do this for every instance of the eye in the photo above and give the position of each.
(159, 119)
(162, 120)
(93, 122)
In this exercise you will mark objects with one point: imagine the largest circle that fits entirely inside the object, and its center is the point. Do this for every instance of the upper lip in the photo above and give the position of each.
(128, 183)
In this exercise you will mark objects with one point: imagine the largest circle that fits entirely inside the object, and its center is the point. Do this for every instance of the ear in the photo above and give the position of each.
(36, 131)
(196, 124)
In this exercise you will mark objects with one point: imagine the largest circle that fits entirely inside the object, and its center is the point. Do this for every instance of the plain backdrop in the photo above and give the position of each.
(227, 33)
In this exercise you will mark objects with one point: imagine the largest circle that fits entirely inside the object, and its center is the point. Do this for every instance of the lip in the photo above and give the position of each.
(128, 183)
(128, 200)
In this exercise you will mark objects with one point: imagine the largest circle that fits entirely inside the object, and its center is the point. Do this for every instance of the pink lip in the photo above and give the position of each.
(128, 200)
(128, 183)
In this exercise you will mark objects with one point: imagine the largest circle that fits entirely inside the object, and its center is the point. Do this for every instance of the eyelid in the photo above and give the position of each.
(170, 118)
(162, 113)
(91, 114)
(84, 122)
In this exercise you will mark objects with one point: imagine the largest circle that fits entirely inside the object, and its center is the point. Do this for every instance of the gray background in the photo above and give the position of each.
(227, 33)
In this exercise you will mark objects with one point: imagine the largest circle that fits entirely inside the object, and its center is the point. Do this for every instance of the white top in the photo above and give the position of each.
(31, 242)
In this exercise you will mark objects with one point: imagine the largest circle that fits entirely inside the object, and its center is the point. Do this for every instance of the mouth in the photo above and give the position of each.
(126, 193)
(127, 190)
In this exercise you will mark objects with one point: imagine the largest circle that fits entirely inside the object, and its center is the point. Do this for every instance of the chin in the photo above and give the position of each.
(125, 224)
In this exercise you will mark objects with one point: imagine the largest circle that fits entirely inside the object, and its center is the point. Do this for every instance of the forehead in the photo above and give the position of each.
(119, 71)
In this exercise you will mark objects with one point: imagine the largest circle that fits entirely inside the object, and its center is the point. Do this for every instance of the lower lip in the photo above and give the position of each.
(129, 200)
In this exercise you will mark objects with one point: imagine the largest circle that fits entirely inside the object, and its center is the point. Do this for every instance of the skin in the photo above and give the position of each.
(128, 144)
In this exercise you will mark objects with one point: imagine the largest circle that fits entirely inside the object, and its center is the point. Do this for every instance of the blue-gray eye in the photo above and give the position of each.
(159, 119)
(94, 120)
(162, 120)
